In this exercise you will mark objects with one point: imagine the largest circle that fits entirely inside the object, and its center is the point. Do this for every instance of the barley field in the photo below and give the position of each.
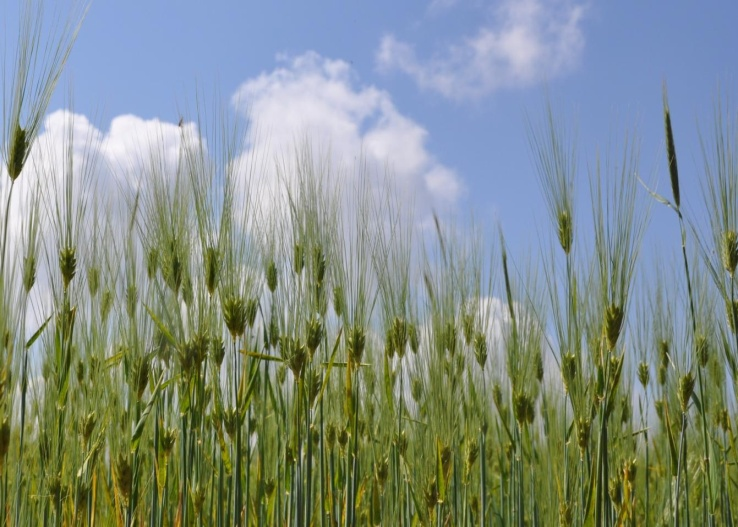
(209, 350)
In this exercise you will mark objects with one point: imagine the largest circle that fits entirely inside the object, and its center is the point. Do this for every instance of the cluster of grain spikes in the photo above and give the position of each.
(219, 355)
(589, 330)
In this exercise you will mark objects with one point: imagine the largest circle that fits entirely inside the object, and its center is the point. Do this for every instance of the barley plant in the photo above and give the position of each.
(203, 347)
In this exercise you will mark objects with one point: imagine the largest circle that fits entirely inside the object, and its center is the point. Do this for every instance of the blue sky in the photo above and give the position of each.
(440, 89)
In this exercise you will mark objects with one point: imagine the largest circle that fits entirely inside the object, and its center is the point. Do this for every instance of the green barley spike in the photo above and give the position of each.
(671, 152)
(18, 152)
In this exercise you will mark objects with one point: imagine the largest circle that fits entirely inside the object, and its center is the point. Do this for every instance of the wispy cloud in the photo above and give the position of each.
(526, 42)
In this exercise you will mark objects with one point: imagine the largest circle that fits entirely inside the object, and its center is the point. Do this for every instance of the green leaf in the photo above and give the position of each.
(389, 396)
(224, 454)
(440, 476)
(162, 328)
(376, 509)
(658, 197)
(264, 356)
(244, 396)
(592, 490)
(329, 367)
(138, 430)
(114, 360)
(38, 333)
(672, 444)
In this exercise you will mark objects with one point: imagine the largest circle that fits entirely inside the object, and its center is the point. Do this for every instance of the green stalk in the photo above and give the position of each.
(482, 479)
(5, 231)
(237, 474)
(674, 175)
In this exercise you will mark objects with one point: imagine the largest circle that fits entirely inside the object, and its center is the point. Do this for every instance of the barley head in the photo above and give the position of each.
(615, 490)
(338, 301)
(480, 349)
(173, 269)
(523, 408)
(343, 437)
(671, 152)
(235, 315)
(67, 264)
(252, 309)
(723, 420)
(644, 373)
(231, 421)
(448, 338)
(197, 495)
(446, 461)
(29, 272)
(93, 280)
(416, 389)
(538, 362)
(273, 333)
(18, 152)
(4, 440)
(472, 453)
(382, 471)
(217, 349)
(131, 300)
(566, 514)
(86, 427)
(583, 430)
(141, 372)
(271, 276)
(413, 338)
(497, 395)
(313, 384)
(613, 324)
(401, 442)
(298, 259)
(568, 371)
(319, 264)
(686, 389)
(430, 493)
(702, 349)
(731, 309)
(467, 325)
(389, 344)
(295, 355)
(123, 477)
(330, 436)
(152, 263)
(729, 251)
(212, 269)
(355, 342)
(565, 230)
(314, 335)
(658, 405)
(664, 348)
(399, 331)
(167, 438)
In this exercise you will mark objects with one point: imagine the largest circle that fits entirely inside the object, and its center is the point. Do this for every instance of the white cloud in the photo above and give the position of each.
(313, 97)
(528, 41)
(306, 96)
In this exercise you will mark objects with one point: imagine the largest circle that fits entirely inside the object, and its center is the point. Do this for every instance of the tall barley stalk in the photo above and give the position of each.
(230, 349)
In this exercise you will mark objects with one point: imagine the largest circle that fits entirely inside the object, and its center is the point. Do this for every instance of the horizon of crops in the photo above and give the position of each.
(207, 349)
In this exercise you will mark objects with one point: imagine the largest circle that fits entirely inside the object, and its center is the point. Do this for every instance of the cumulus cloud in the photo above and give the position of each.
(527, 41)
(306, 96)
(313, 97)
